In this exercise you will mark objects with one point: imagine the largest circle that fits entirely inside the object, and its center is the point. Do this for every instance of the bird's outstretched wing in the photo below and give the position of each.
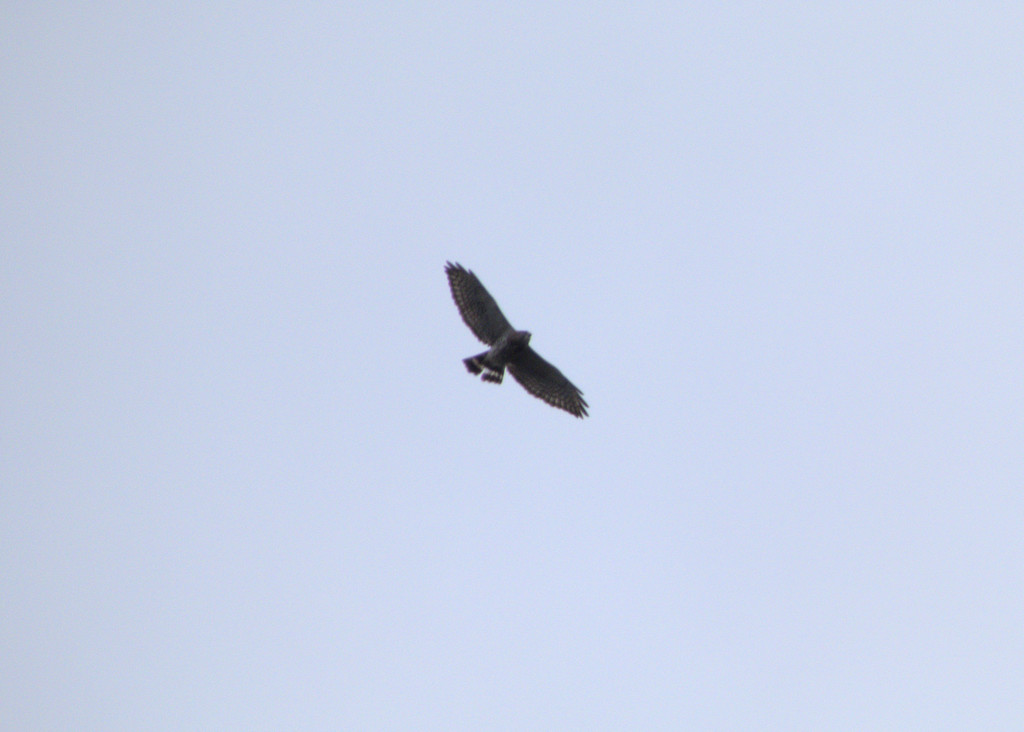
(478, 308)
(546, 382)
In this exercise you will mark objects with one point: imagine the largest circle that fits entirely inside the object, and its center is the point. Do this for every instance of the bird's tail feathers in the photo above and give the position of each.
(476, 365)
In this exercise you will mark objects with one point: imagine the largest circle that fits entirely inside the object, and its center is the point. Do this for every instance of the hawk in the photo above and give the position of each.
(508, 346)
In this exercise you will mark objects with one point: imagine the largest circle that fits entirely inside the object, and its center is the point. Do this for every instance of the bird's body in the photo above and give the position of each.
(508, 347)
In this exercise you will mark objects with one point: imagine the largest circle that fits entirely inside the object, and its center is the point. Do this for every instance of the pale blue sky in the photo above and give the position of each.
(247, 483)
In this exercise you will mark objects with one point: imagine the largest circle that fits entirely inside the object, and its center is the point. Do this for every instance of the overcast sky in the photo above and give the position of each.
(248, 484)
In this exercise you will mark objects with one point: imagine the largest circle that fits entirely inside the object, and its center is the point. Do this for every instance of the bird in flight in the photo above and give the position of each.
(508, 347)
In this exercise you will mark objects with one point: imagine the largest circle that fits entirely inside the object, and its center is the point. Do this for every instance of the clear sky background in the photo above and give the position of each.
(248, 484)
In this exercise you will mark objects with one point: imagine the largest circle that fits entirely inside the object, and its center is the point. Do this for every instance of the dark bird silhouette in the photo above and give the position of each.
(508, 347)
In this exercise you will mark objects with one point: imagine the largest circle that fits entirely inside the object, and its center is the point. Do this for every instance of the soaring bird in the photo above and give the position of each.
(508, 346)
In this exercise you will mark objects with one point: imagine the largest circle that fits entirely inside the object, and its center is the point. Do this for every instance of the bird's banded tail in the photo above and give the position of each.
(475, 365)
